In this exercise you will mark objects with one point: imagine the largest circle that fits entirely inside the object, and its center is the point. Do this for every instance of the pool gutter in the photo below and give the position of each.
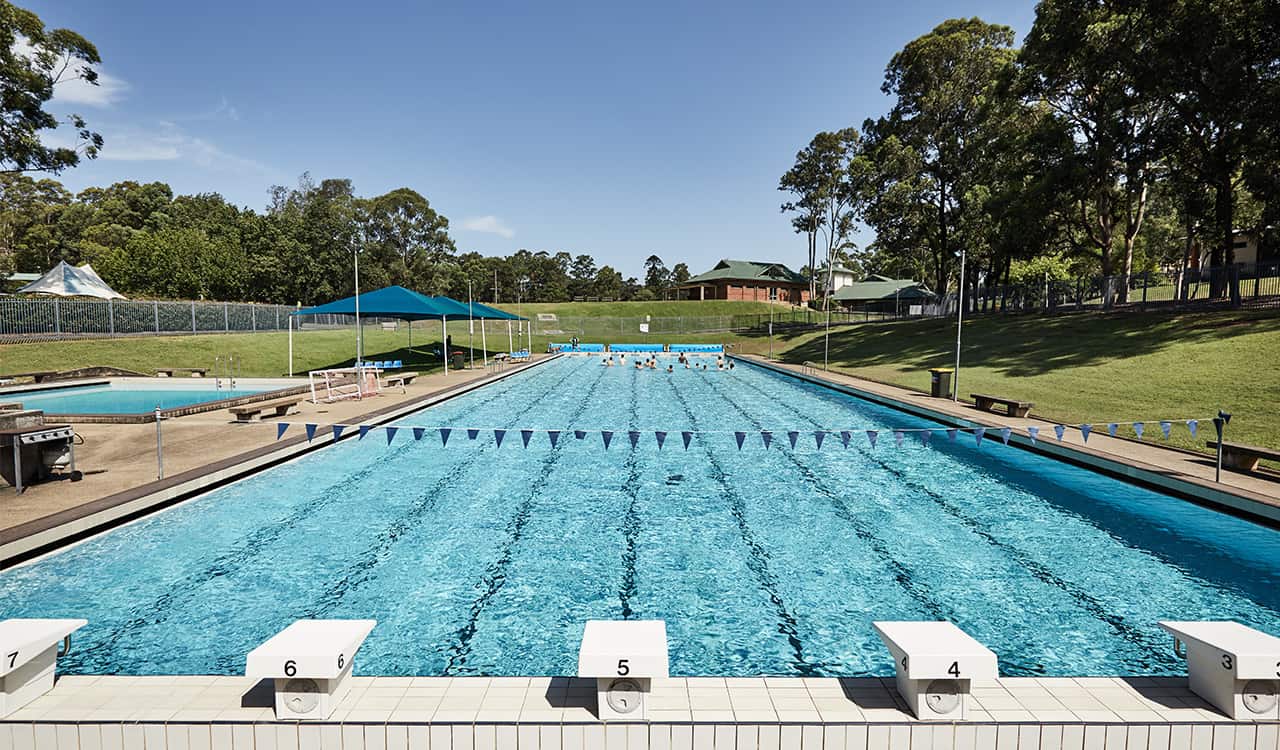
(1234, 500)
(42, 535)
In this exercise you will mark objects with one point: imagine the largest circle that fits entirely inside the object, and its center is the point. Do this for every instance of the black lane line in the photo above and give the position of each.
(901, 573)
(1142, 640)
(495, 576)
(239, 557)
(631, 516)
(757, 555)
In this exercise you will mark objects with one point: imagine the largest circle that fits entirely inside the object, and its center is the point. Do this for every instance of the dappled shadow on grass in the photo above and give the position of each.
(1021, 346)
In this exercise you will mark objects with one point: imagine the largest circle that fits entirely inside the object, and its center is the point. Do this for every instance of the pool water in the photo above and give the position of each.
(479, 559)
(109, 399)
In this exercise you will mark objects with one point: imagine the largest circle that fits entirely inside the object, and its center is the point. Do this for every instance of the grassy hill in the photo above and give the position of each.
(657, 309)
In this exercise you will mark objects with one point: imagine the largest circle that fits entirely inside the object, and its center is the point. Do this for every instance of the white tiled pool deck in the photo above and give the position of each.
(696, 713)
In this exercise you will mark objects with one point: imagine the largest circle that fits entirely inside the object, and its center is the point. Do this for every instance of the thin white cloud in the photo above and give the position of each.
(489, 225)
(169, 142)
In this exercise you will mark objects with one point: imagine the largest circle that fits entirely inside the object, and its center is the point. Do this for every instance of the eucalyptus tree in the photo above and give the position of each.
(931, 150)
(829, 182)
(33, 62)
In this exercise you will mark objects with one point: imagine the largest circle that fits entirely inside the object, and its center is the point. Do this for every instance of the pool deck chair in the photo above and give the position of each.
(624, 657)
(1232, 666)
(29, 657)
(310, 662)
(935, 664)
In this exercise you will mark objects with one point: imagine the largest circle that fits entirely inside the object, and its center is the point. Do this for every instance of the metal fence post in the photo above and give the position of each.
(57, 317)
(111, 317)
(1146, 280)
(253, 318)
(155, 313)
(193, 316)
(226, 323)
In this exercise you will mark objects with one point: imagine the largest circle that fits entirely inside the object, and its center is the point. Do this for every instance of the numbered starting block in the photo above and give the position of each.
(1234, 667)
(936, 663)
(310, 662)
(624, 657)
(28, 658)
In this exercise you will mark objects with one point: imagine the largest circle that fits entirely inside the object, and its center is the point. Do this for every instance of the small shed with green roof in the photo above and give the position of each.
(881, 293)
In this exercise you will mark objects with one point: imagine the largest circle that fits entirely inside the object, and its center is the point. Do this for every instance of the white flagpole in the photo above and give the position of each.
(290, 346)
(955, 377)
(510, 346)
(484, 345)
(471, 327)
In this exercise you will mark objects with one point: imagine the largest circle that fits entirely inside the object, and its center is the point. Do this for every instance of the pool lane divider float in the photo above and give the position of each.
(310, 662)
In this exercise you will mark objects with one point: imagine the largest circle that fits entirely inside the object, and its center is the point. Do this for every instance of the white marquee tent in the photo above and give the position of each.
(65, 280)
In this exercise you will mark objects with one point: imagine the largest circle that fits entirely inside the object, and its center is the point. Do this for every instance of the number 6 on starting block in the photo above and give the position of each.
(310, 662)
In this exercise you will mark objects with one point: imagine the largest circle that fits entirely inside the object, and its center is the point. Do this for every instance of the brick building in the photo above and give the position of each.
(747, 280)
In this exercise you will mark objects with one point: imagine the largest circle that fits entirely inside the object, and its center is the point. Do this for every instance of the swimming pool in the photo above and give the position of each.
(479, 559)
(119, 398)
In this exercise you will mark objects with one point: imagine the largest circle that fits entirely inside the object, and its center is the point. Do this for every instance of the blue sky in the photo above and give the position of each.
(616, 129)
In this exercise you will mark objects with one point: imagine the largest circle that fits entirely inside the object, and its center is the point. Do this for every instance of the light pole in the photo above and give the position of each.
(524, 282)
(355, 251)
(955, 376)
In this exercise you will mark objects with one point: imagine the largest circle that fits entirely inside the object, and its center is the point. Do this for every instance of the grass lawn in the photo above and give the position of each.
(1088, 367)
(657, 309)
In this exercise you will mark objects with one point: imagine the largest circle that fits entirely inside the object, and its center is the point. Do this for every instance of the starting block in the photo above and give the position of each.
(29, 657)
(624, 657)
(310, 662)
(935, 664)
(1234, 667)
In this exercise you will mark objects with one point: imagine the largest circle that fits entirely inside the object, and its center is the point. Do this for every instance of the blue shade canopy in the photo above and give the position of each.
(406, 304)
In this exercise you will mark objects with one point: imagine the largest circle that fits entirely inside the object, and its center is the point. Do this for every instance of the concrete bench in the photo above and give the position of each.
(935, 665)
(624, 656)
(310, 662)
(1234, 667)
(401, 379)
(279, 408)
(1243, 457)
(1013, 407)
(29, 657)
(167, 372)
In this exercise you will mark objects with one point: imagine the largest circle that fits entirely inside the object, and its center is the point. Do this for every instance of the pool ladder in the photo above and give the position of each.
(227, 368)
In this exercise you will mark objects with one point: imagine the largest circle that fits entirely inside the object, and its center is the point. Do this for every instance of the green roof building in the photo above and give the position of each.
(749, 280)
(883, 293)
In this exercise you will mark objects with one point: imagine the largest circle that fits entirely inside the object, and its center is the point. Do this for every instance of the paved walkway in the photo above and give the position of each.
(117, 457)
(1145, 454)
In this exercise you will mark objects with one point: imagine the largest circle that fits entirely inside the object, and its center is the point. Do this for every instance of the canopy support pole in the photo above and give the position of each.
(484, 345)
(510, 346)
(290, 346)
(411, 334)
(444, 341)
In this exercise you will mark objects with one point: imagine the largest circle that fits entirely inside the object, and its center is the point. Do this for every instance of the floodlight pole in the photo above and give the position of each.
(359, 330)
(955, 376)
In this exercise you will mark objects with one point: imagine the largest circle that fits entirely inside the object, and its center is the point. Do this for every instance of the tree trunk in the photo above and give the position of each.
(1223, 206)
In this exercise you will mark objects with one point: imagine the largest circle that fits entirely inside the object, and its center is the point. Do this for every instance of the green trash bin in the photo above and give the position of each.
(457, 361)
(940, 382)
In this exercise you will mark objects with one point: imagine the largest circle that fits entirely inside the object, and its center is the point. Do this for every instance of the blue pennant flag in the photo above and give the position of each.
(580, 434)
(739, 437)
(391, 434)
(686, 437)
(311, 432)
(897, 438)
(337, 430)
(766, 437)
(364, 430)
(792, 436)
(1085, 429)
(1004, 435)
(280, 428)
(607, 437)
(524, 437)
(418, 432)
(818, 437)
(1111, 429)
(952, 434)
(444, 435)
(472, 433)
(1138, 428)
(1060, 430)
(871, 437)
(1166, 428)
(498, 435)
(661, 437)
(924, 436)
(978, 432)
(1192, 424)
(1033, 432)
(553, 436)
(845, 437)
(634, 437)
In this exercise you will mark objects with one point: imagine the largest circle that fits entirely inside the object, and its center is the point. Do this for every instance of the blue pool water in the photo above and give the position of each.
(107, 399)
(479, 559)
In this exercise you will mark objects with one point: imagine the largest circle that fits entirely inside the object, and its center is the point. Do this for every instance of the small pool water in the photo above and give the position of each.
(119, 399)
